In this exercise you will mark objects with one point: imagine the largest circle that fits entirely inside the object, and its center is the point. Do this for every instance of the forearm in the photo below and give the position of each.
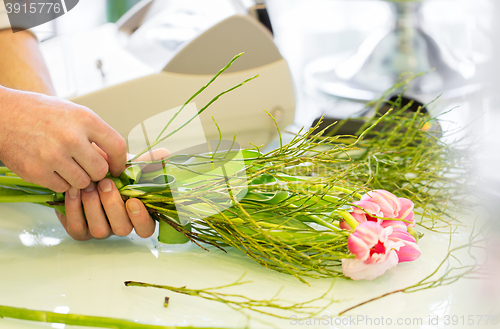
(21, 63)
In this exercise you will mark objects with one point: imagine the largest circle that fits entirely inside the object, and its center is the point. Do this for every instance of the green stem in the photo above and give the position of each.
(74, 319)
(320, 221)
(192, 118)
(6, 180)
(347, 191)
(197, 93)
(27, 198)
(4, 170)
(351, 221)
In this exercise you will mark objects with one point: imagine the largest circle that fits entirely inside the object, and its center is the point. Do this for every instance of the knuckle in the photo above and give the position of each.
(101, 171)
(114, 202)
(77, 230)
(73, 138)
(123, 230)
(59, 187)
(27, 177)
(82, 237)
(121, 145)
(82, 182)
(100, 232)
(90, 197)
(88, 117)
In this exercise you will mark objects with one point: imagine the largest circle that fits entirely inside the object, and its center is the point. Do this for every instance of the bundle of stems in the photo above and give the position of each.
(281, 208)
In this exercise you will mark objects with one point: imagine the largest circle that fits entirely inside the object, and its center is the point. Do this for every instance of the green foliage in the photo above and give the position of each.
(283, 208)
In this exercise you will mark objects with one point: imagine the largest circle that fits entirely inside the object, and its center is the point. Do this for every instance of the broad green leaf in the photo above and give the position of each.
(267, 197)
(263, 179)
(141, 189)
(131, 175)
(11, 191)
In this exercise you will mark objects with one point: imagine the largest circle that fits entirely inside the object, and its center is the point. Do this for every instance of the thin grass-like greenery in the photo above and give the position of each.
(246, 305)
(283, 208)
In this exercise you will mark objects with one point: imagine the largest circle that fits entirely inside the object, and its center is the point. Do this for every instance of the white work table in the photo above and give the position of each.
(42, 268)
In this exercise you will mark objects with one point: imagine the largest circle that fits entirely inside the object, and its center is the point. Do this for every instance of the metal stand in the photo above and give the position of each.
(387, 54)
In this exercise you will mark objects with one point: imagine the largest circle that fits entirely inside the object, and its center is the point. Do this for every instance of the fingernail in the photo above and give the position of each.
(90, 188)
(133, 207)
(105, 185)
(73, 192)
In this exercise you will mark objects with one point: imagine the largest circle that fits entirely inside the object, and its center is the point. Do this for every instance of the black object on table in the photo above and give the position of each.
(352, 126)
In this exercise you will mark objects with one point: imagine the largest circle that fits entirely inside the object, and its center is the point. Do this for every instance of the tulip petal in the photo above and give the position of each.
(358, 247)
(356, 269)
(343, 225)
(409, 251)
(401, 234)
(406, 212)
(394, 224)
(371, 207)
(385, 233)
(392, 199)
(359, 217)
(369, 232)
(406, 207)
(389, 204)
(410, 219)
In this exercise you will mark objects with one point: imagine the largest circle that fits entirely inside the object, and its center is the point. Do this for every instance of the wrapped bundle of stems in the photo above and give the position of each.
(284, 208)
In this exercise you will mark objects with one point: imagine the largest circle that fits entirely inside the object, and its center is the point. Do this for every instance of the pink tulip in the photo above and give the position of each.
(360, 214)
(380, 203)
(389, 204)
(405, 213)
(375, 252)
(358, 270)
(410, 251)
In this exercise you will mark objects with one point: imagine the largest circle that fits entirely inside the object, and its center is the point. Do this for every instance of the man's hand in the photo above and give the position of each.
(105, 210)
(48, 141)
(58, 144)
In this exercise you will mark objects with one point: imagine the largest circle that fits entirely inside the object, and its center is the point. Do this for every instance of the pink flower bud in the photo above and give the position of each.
(375, 252)
(380, 203)
(389, 204)
(405, 213)
(358, 270)
(361, 214)
(410, 250)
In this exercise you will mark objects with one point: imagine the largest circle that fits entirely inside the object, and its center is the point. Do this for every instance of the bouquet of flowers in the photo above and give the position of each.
(318, 206)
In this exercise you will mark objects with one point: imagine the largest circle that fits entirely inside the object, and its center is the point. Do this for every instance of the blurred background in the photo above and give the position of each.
(341, 54)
